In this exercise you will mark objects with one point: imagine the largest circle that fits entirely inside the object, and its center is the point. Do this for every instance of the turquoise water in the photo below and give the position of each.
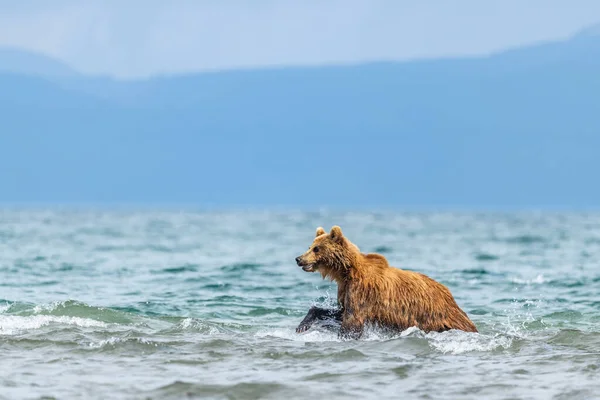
(155, 304)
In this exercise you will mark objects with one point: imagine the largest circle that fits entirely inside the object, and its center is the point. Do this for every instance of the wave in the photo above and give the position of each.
(108, 328)
(452, 342)
(180, 389)
(194, 325)
(455, 342)
(140, 343)
(13, 324)
(69, 308)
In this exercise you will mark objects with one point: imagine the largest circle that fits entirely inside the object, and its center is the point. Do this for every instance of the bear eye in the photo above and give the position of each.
(316, 249)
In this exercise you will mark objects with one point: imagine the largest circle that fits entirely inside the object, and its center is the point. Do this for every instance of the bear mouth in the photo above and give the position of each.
(309, 268)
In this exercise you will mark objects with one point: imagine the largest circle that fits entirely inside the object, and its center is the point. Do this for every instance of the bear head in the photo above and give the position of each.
(331, 254)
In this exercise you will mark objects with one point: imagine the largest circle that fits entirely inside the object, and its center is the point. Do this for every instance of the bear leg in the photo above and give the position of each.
(321, 314)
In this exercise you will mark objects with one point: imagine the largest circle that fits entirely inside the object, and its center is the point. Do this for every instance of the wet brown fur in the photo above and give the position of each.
(370, 291)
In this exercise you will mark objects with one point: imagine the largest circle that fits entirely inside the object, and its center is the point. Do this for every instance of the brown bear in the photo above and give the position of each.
(370, 291)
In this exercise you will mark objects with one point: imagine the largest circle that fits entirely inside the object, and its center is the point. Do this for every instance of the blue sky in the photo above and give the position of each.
(136, 38)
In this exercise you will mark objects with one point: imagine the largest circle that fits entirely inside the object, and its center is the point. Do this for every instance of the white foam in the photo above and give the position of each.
(107, 342)
(456, 342)
(112, 341)
(191, 323)
(187, 323)
(13, 324)
(449, 342)
(414, 331)
(53, 306)
(539, 279)
(38, 309)
(317, 335)
(289, 334)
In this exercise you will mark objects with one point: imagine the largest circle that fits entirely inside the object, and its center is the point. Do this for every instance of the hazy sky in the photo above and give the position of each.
(129, 38)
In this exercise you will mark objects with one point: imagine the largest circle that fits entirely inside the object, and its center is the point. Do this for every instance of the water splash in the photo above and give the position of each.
(314, 335)
(455, 342)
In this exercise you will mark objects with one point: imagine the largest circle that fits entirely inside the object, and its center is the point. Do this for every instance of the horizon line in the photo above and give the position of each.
(202, 207)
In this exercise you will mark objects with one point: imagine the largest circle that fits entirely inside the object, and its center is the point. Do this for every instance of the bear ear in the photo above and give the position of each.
(320, 231)
(336, 233)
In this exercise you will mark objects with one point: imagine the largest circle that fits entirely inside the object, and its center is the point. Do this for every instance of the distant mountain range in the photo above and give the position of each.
(518, 128)
(28, 63)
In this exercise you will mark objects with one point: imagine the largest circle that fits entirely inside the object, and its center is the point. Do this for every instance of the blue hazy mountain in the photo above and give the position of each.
(19, 61)
(518, 128)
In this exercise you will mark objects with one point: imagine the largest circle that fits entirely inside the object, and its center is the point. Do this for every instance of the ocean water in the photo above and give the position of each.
(121, 304)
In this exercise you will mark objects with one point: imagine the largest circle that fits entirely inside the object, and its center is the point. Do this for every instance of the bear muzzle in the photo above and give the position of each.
(305, 266)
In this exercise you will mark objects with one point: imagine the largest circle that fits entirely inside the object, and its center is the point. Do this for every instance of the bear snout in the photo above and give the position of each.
(298, 261)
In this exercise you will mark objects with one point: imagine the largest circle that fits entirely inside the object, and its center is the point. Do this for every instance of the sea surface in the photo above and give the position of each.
(125, 304)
